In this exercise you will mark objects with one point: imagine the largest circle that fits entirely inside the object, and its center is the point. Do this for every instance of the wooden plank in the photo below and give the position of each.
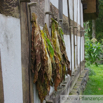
(60, 6)
(1, 83)
(25, 52)
(77, 49)
(70, 31)
(80, 35)
(29, 36)
(10, 8)
(74, 33)
(91, 6)
(68, 12)
(47, 16)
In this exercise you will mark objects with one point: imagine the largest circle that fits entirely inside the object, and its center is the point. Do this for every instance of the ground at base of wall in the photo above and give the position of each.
(80, 84)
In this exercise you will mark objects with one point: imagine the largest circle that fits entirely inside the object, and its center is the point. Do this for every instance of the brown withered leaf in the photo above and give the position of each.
(35, 48)
(64, 54)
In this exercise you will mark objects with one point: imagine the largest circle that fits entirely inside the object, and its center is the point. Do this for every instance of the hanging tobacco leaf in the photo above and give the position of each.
(48, 60)
(48, 57)
(35, 48)
(58, 56)
(51, 53)
(63, 51)
(49, 41)
(41, 62)
(61, 33)
(43, 87)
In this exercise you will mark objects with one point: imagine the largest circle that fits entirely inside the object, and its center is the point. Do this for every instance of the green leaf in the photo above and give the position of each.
(50, 47)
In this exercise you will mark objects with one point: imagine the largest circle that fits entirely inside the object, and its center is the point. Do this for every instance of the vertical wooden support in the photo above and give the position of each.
(47, 16)
(25, 52)
(1, 83)
(60, 6)
(80, 34)
(76, 44)
(75, 30)
(74, 33)
(82, 43)
(70, 30)
(26, 28)
(29, 36)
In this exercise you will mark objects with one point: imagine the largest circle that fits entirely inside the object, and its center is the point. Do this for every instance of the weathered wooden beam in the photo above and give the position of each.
(31, 75)
(80, 34)
(25, 52)
(60, 4)
(1, 83)
(68, 12)
(47, 16)
(71, 31)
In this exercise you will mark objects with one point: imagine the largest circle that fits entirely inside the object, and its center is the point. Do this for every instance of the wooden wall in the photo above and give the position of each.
(19, 43)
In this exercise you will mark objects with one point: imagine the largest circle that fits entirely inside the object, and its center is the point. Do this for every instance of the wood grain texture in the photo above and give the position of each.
(91, 6)
(1, 83)
(60, 11)
(31, 75)
(47, 16)
(10, 8)
(25, 52)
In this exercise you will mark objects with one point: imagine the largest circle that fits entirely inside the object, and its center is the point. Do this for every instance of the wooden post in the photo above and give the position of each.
(93, 29)
(25, 52)
(70, 29)
(47, 11)
(26, 28)
(75, 30)
(60, 6)
(1, 83)
(73, 34)
(31, 75)
(80, 34)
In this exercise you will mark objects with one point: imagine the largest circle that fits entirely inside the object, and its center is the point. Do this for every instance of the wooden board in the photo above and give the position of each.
(27, 76)
(25, 52)
(1, 83)
(91, 6)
